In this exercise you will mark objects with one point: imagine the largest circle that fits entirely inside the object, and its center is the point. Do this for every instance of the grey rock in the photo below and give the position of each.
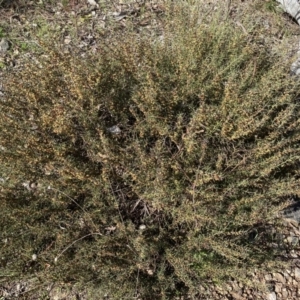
(272, 296)
(292, 212)
(93, 3)
(292, 7)
(268, 277)
(4, 45)
(297, 274)
(114, 129)
(293, 240)
(295, 67)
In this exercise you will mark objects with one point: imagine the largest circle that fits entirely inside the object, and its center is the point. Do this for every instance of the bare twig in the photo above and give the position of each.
(137, 282)
(228, 9)
(85, 212)
(83, 237)
(241, 25)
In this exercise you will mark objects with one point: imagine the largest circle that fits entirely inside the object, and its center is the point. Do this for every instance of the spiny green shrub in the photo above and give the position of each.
(146, 168)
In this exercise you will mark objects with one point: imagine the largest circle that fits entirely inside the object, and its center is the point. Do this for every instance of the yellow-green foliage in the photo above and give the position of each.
(208, 152)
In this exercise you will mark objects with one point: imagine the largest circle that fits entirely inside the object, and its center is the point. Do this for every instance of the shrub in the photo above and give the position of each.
(146, 168)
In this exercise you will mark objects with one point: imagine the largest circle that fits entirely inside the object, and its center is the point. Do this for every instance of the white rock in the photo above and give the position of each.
(93, 3)
(272, 296)
(268, 277)
(295, 67)
(26, 185)
(67, 40)
(4, 46)
(292, 7)
(114, 129)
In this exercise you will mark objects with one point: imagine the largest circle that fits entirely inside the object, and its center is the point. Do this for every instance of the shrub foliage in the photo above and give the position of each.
(148, 165)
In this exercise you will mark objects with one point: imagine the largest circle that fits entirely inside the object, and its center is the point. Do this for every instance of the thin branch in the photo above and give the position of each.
(61, 253)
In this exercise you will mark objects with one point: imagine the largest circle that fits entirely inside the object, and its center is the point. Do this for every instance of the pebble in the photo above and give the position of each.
(93, 3)
(293, 240)
(67, 40)
(293, 254)
(235, 286)
(279, 277)
(287, 273)
(278, 287)
(4, 45)
(236, 296)
(272, 296)
(297, 274)
(114, 129)
(268, 277)
(284, 293)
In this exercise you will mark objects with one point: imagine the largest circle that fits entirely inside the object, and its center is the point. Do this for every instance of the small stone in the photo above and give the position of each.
(114, 129)
(229, 287)
(284, 293)
(237, 296)
(201, 288)
(295, 283)
(67, 40)
(295, 68)
(279, 295)
(293, 240)
(93, 3)
(286, 273)
(235, 285)
(297, 274)
(272, 296)
(150, 272)
(268, 277)
(293, 254)
(4, 45)
(279, 277)
(278, 287)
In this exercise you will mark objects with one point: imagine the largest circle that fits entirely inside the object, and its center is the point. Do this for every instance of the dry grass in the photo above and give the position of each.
(206, 155)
